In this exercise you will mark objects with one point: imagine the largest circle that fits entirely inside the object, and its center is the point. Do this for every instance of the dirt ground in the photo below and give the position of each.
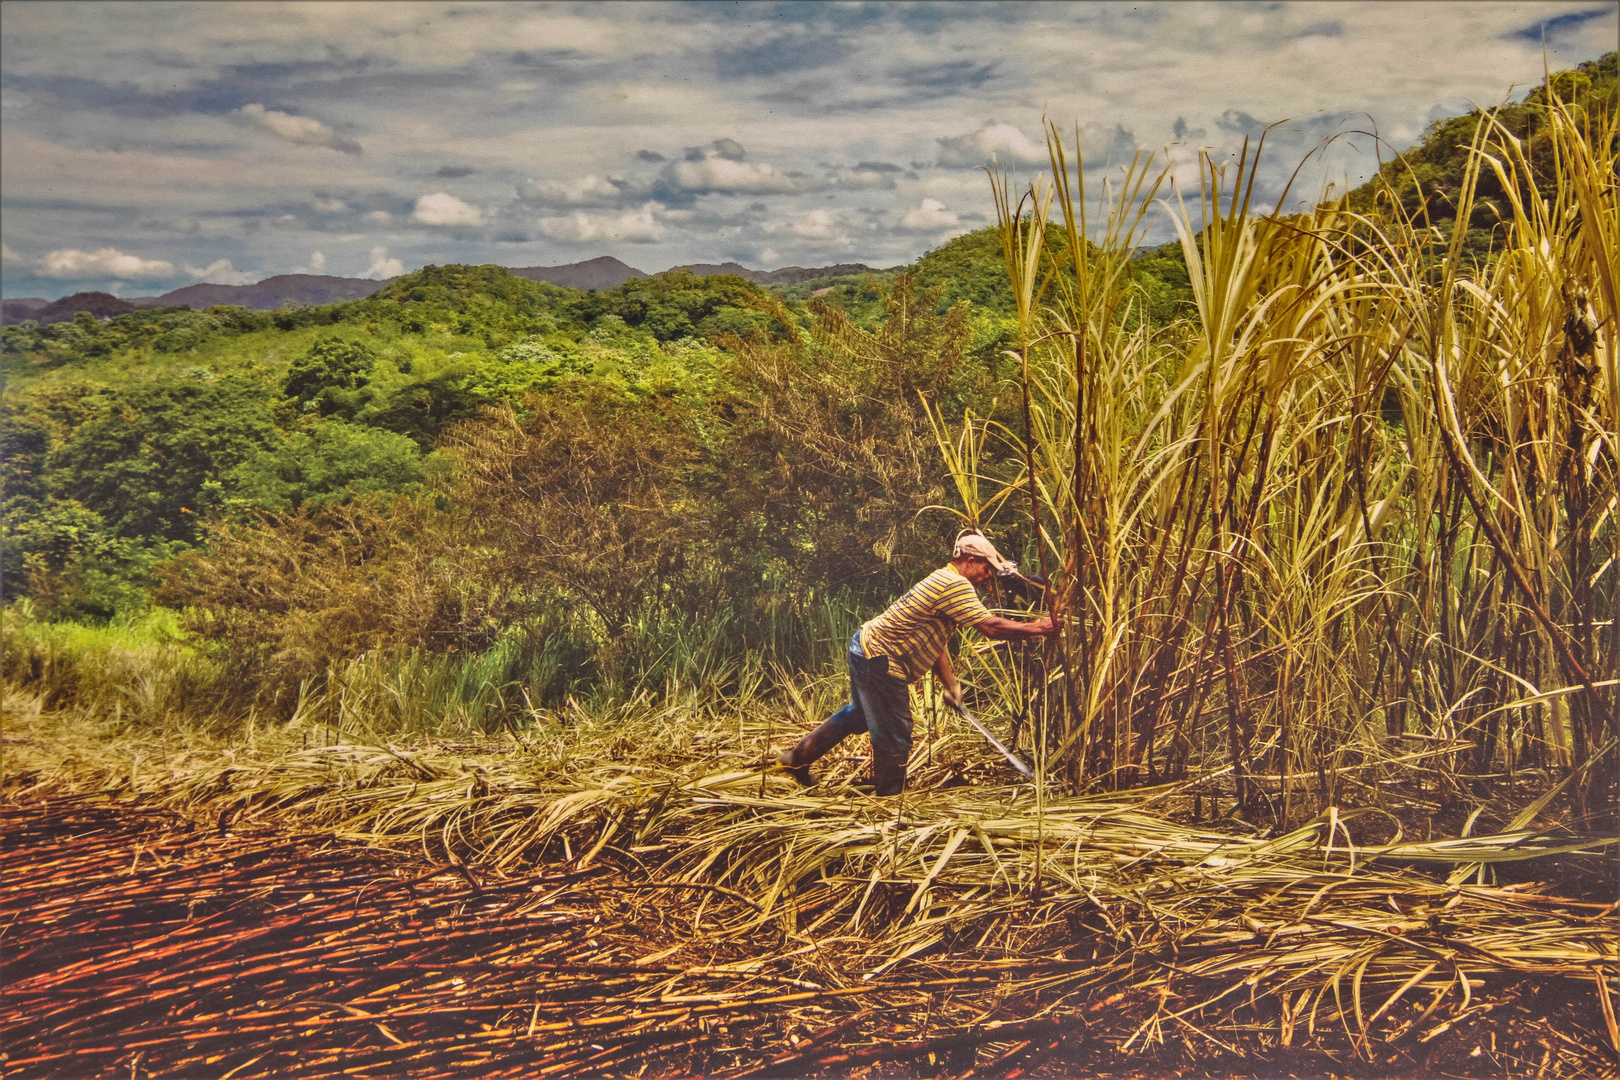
(138, 944)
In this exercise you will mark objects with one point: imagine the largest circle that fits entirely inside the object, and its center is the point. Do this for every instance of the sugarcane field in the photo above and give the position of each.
(1170, 629)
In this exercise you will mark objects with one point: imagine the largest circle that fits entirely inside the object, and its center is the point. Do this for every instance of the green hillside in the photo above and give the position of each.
(1425, 179)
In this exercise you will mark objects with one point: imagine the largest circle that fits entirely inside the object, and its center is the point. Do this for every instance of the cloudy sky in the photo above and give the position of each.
(148, 146)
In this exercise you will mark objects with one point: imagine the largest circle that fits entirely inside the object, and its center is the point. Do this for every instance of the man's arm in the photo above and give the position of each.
(947, 677)
(1014, 630)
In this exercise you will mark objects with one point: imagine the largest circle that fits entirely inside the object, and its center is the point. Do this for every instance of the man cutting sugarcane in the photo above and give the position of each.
(899, 647)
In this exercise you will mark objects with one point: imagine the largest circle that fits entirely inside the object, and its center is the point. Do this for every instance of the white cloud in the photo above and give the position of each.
(7, 255)
(72, 264)
(381, 217)
(821, 225)
(441, 208)
(636, 226)
(589, 190)
(726, 176)
(330, 206)
(382, 266)
(301, 130)
(930, 216)
(221, 272)
(317, 265)
(1007, 143)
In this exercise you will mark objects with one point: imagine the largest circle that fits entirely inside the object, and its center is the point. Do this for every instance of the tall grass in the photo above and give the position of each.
(1358, 511)
(132, 670)
(145, 674)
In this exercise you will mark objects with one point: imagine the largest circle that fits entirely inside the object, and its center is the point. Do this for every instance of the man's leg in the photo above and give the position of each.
(886, 702)
(850, 720)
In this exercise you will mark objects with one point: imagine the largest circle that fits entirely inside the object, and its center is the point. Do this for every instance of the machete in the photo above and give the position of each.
(1012, 758)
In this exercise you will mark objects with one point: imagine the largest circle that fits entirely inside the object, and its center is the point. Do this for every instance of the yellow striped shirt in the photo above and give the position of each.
(915, 627)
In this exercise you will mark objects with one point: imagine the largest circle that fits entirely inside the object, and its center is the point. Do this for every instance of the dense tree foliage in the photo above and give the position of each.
(327, 462)
(150, 459)
(329, 378)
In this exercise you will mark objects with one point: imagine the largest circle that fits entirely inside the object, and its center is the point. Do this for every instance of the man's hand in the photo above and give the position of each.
(953, 696)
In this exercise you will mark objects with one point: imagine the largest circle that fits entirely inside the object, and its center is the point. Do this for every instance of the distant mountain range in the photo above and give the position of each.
(17, 310)
(605, 272)
(312, 289)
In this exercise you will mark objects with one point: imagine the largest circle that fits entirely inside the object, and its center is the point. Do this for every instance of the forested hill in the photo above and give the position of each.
(1427, 178)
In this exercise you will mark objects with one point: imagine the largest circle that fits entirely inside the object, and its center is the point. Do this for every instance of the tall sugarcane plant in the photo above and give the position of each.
(1355, 511)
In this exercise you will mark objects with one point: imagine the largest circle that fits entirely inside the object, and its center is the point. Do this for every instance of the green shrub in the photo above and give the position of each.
(328, 462)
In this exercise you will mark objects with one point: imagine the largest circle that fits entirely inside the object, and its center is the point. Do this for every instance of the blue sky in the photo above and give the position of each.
(152, 145)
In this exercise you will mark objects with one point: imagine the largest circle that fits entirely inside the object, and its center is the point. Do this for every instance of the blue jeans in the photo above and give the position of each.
(879, 703)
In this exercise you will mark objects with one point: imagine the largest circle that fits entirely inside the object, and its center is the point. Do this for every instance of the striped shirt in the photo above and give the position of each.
(916, 626)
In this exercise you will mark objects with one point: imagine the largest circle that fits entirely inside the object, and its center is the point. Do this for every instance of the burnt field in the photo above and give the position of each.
(138, 943)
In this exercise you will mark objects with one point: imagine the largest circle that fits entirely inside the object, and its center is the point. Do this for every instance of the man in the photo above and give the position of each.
(901, 645)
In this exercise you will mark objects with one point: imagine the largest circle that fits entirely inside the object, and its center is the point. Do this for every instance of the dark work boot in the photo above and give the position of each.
(810, 748)
(801, 773)
(888, 774)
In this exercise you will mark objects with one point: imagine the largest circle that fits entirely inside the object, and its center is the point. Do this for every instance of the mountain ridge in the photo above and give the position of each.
(602, 272)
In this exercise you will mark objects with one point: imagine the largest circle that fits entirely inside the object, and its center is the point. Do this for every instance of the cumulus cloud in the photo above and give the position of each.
(930, 217)
(822, 225)
(724, 176)
(441, 208)
(71, 264)
(301, 130)
(317, 265)
(585, 191)
(7, 255)
(636, 226)
(382, 266)
(324, 205)
(1007, 143)
(722, 168)
(221, 272)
